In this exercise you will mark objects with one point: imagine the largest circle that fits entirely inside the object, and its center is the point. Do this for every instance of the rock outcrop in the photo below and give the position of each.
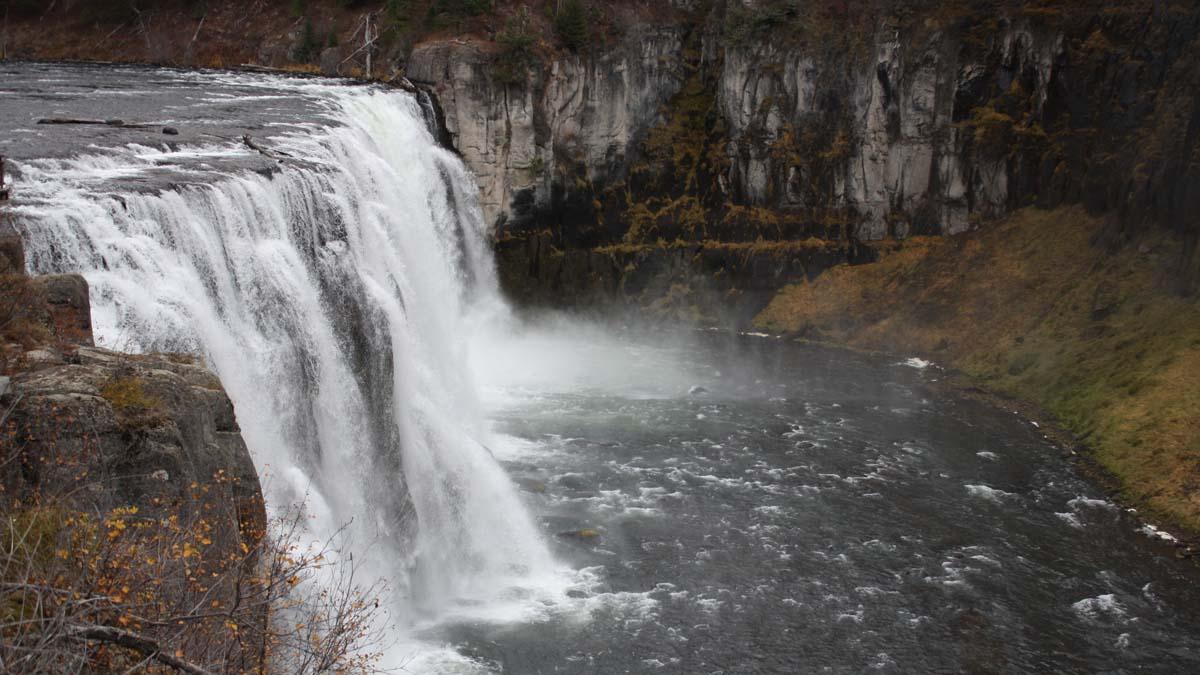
(574, 120)
(948, 118)
(108, 430)
(156, 432)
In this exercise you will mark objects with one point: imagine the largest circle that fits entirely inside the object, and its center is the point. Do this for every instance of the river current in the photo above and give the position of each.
(550, 495)
(810, 510)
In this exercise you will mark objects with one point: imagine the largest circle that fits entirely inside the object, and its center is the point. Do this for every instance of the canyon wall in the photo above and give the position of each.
(575, 120)
(777, 121)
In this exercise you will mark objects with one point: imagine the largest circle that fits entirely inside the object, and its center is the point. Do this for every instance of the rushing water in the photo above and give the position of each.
(551, 497)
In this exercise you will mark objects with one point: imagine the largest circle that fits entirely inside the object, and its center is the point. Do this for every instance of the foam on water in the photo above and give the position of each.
(1101, 606)
(989, 493)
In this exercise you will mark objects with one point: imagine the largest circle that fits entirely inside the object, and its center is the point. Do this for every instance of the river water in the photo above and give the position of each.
(549, 495)
(811, 510)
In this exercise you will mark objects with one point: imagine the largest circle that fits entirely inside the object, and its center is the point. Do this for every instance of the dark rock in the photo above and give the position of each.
(331, 60)
(12, 250)
(170, 131)
(584, 535)
(573, 482)
(70, 308)
(531, 485)
(156, 432)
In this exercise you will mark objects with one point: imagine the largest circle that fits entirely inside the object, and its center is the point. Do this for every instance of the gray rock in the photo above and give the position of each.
(12, 250)
(331, 60)
(69, 306)
(156, 432)
(576, 112)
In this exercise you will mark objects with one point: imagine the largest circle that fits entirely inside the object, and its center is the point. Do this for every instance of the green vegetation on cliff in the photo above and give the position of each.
(1040, 307)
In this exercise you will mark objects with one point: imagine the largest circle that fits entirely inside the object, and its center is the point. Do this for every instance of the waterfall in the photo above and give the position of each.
(334, 297)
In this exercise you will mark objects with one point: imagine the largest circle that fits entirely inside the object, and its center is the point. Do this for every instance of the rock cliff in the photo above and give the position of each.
(849, 122)
(574, 120)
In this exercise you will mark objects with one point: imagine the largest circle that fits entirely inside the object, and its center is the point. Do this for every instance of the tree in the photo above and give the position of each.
(517, 42)
(571, 24)
(309, 47)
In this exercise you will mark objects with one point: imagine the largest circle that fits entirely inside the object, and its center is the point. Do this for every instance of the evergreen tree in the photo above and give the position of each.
(571, 24)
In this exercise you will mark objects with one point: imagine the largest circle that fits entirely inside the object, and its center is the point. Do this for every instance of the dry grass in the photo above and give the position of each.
(1032, 308)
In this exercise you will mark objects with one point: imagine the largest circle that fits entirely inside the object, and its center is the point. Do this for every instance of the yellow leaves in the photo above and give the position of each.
(123, 620)
(115, 522)
(115, 528)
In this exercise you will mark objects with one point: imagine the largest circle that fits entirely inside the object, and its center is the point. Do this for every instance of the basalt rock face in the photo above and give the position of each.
(781, 121)
(953, 117)
(157, 432)
(574, 121)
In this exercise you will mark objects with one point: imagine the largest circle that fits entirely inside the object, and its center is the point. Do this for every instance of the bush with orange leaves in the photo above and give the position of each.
(128, 588)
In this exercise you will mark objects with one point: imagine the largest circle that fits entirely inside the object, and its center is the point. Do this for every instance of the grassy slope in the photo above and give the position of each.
(1030, 307)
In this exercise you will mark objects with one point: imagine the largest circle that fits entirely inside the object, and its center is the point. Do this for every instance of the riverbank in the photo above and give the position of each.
(1041, 306)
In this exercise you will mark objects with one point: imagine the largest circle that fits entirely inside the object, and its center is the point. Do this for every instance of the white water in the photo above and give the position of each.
(335, 300)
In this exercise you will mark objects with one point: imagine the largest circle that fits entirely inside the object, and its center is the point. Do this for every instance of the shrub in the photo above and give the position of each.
(105, 592)
(21, 304)
(135, 409)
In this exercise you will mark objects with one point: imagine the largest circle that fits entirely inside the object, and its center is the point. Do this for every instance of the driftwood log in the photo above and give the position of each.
(277, 155)
(109, 123)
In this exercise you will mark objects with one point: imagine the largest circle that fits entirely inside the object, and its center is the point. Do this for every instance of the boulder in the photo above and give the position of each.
(156, 432)
(331, 60)
(69, 309)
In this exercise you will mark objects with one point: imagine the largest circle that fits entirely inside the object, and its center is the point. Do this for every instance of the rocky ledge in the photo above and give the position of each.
(153, 432)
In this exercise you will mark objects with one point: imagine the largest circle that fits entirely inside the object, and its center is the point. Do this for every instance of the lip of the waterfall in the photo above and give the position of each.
(133, 105)
(108, 163)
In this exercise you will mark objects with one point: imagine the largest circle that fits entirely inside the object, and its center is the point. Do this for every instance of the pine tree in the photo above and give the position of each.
(571, 24)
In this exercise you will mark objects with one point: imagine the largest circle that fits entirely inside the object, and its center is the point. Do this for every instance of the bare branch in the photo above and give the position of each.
(137, 643)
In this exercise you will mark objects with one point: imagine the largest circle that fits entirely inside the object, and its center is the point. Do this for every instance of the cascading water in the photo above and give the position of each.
(334, 298)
